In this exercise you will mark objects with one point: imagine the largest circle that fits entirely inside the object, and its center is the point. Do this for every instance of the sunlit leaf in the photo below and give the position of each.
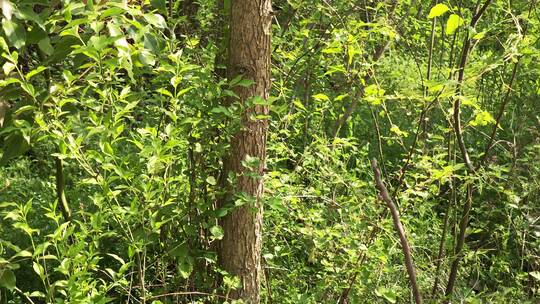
(454, 21)
(438, 10)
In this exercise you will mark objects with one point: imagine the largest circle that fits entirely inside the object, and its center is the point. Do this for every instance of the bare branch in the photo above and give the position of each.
(385, 196)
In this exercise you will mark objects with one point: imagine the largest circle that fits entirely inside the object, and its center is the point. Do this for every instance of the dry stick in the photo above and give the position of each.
(385, 196)
(461, 144)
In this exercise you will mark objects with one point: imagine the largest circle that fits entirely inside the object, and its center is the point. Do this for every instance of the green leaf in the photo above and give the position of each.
(147, 57)
(15, 33)
(34, 72)
(535, 274)
(45, 46)
(101, 42)
(211, 180)
(39, 270)
(28, 88)
(482, 118)
(245, 83)
(180, 251)
(396, 130)
(387, 294)
(217, 232)
(8, 67)
(480, 35)
(156, 20)
(454, 21)
(26, 13)
(3, 44)
(299, 105)
(321, 97)
(14, 146)
(438, 10)
(7, 278)
(159, 5)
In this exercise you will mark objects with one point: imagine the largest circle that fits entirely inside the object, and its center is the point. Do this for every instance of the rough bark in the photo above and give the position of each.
(249, 56)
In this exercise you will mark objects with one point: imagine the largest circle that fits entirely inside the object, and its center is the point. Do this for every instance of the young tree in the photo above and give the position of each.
(248, 56)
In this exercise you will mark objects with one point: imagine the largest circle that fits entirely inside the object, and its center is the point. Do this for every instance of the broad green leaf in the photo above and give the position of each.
(45, 46)
(438, 10)
(185, 268)
(387, 294)
(454, 21)
(101, 42)
(15, 33)
(156, 20)
(217, 232)
(159, 5)
(28, 88)
(113, 11)
(147, 57)
(3, 44)
(8, 67)
(180, 251)
(14, 146)
(482, 118)
(7, 279)
(39, 270)
(26, 13)
(211, 180)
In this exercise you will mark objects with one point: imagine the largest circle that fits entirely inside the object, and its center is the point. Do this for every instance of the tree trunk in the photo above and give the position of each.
(249, 56)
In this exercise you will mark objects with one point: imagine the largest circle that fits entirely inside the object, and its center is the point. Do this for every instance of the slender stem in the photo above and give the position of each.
(63, 204)
(379, 141)
(431, 44)
(385, 196)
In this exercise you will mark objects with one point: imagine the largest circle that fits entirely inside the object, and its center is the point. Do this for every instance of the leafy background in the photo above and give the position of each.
(127, 97)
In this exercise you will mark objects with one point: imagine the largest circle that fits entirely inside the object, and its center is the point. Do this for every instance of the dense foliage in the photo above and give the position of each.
(114, 130)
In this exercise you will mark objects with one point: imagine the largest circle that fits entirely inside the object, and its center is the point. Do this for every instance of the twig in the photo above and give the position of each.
(385, 196)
